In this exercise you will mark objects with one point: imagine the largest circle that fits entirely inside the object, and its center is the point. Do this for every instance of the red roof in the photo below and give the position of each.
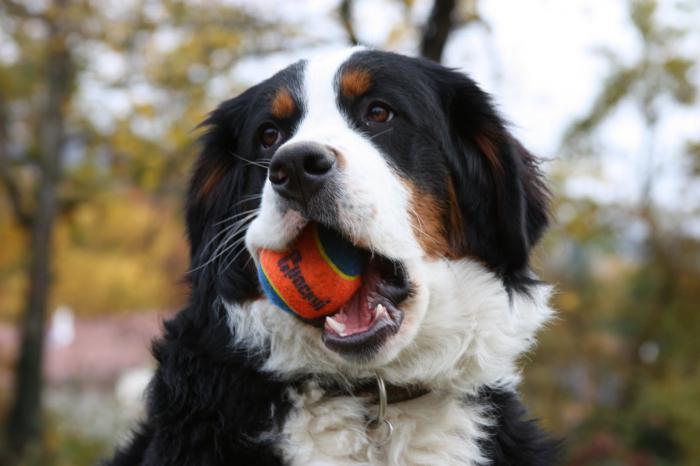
(98, 350)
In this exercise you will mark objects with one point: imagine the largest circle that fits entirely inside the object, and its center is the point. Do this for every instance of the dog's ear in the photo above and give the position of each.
(220, 191)
(214, 165)
(499, 196)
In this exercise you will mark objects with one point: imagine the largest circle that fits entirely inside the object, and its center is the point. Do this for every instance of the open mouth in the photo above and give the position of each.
(362, 325)
(299, 280)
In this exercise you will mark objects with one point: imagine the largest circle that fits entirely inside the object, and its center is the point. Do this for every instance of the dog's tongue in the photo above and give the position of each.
(356, 315)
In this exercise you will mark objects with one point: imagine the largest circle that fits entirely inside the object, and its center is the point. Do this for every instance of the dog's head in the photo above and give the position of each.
(410, 161)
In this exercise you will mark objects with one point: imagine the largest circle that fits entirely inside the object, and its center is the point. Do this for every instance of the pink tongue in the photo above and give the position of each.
(356, 314)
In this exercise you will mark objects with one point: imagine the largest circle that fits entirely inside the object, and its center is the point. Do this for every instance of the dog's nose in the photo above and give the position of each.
(300, 170)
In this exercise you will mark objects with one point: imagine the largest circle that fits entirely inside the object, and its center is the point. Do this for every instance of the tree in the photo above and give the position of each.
(659, 74)
(58, 44)
(437, 29)
(627, 337)
(445, 16)
(56, 64)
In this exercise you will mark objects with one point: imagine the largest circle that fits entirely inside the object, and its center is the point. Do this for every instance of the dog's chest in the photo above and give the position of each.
(430, 430)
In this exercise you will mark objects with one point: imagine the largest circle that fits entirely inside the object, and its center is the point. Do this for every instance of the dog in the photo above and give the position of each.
(411, 162)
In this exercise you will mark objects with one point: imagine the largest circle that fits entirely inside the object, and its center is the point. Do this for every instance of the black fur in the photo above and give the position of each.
(514, 439)
(209, 403)
(230, 145)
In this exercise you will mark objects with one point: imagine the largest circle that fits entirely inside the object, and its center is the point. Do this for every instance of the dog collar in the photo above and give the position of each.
(379, 429)
(372, 389)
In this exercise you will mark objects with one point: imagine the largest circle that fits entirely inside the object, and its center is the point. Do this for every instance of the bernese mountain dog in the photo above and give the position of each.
(409, 161)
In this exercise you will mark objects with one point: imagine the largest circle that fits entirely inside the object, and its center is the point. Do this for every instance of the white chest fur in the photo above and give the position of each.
(431, 430)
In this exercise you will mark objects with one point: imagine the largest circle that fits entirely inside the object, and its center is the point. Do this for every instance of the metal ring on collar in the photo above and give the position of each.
(373, 425)
(375, 436)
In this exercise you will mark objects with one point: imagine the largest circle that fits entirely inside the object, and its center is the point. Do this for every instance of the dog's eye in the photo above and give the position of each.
(269, 135)
(379, 113)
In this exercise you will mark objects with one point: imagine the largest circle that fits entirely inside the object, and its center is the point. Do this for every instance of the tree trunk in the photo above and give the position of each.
(25, 415)
(24, 420)
(437, 29)
(345, 10)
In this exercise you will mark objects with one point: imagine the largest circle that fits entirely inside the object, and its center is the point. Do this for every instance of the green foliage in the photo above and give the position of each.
(68, 163)
(693, 151)
(620, 372)
(62, 447)
(659, 72)
(124, 170)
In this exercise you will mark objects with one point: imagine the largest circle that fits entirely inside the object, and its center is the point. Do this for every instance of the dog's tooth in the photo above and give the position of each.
(335, 325)
(379, 310)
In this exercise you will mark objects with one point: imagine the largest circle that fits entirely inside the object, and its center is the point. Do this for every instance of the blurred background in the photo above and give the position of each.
(99, 103)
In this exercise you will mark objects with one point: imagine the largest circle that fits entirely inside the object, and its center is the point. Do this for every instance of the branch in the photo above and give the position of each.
(17, 9)
(13, 192)
(346, 19)
(21, 215)
(437, 29)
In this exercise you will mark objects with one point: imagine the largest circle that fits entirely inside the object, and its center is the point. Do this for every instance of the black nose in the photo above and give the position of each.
(299, 171)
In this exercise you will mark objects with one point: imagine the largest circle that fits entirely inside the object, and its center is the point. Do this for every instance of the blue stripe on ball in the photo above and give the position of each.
(344, 255)
(271, 293)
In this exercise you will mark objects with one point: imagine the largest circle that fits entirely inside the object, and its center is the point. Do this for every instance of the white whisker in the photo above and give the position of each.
(237, 215)
(388, 130)
(227, 244)
(251, 162)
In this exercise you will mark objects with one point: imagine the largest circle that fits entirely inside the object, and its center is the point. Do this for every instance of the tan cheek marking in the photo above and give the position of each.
(427, 219)
(354, 83)
(211, 180)
(282, 104)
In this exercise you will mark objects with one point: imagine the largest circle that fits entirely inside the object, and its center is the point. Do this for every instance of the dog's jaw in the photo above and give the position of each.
(464, 332)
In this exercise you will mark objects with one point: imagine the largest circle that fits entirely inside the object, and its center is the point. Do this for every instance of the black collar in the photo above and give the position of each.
(368, 389)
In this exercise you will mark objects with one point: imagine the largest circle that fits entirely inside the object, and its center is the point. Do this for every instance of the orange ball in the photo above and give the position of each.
(316, 276)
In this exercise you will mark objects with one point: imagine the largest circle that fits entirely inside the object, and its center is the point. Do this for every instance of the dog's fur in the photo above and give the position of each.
(443, 190)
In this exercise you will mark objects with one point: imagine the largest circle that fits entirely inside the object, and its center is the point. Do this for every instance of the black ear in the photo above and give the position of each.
(222, 190)
(214, 164)
(501, 196)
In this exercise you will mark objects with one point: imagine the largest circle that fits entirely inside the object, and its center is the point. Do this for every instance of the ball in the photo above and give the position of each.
(317, 275)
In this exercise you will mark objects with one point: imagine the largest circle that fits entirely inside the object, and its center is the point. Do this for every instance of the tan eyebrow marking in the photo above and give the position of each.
(282, 104)
(355, 82)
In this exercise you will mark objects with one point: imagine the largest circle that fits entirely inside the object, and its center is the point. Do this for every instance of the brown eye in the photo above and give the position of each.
(269, 136)
(379, 113)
